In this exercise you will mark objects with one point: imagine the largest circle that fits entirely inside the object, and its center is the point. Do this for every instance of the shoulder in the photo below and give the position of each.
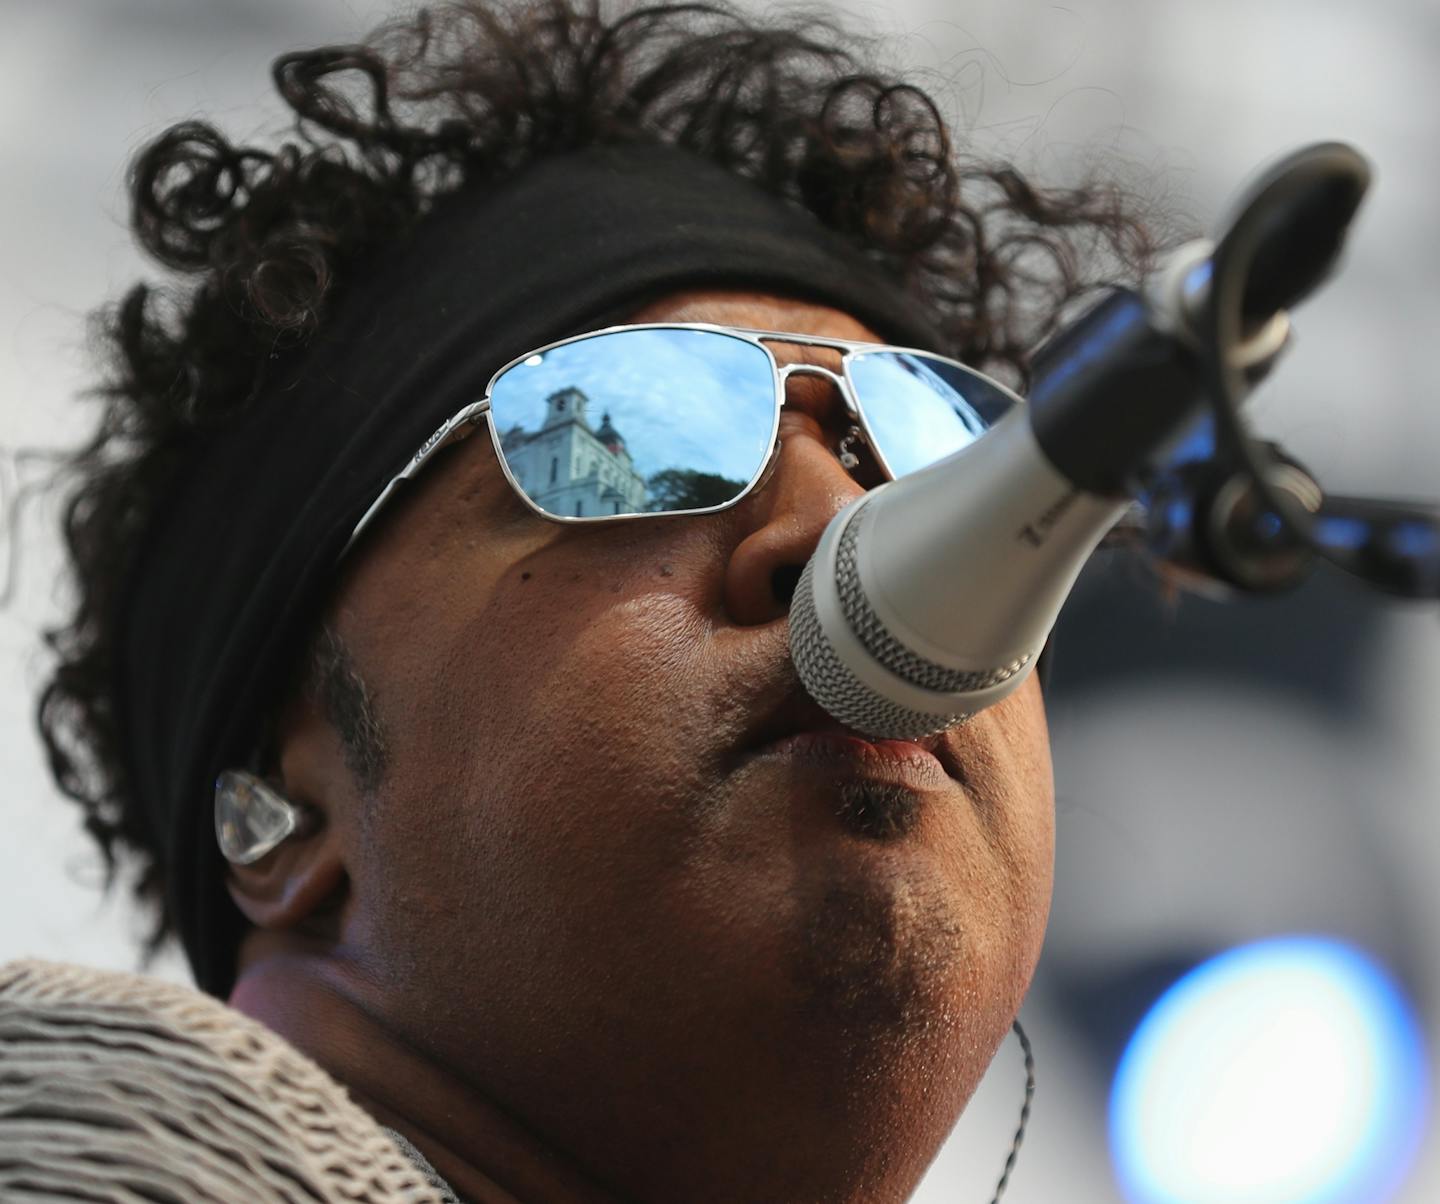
(117, 1087)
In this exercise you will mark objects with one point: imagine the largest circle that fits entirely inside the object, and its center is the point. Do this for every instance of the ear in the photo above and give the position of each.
(290, 884)
(304, 879)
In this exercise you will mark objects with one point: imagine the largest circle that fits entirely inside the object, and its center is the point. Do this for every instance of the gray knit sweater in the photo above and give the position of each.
(123, 1089)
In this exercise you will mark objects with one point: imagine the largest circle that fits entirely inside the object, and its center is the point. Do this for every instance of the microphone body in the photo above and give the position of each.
(931, 597)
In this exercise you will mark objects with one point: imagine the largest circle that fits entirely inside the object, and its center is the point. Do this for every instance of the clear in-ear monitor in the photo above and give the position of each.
(251, 818)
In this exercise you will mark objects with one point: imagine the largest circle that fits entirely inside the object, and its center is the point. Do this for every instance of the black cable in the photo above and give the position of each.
(1024, 1113)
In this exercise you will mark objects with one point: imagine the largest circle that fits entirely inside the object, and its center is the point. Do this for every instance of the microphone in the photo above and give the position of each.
(930, 597)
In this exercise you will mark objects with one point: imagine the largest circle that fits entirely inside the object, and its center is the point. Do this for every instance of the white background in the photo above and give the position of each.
(1189, 811)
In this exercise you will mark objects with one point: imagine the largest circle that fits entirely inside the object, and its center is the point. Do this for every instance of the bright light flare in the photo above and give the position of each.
(1291, 1071)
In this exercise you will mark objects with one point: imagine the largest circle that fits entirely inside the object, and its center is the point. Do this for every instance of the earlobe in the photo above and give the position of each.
(289, 885)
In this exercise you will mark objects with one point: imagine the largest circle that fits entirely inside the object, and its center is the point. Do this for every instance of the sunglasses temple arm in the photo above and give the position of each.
(454, 428)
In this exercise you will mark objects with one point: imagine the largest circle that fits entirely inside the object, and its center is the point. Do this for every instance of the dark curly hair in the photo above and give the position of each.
(259, 240)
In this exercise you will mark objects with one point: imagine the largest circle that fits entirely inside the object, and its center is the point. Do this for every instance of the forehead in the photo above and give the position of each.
(761, 311)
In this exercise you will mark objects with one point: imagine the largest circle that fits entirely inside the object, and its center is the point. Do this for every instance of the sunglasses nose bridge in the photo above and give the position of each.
(835, 378)
(856, 430)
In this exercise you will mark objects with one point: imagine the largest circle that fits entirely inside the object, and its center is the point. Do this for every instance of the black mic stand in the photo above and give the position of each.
(1239, 513)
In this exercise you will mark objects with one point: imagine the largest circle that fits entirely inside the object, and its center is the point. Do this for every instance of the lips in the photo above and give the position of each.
(797, 714)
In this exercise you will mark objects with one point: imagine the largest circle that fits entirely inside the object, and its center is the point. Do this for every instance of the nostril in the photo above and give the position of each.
(783, 582)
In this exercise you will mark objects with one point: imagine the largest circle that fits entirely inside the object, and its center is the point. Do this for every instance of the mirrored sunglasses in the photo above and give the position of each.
(681, 418)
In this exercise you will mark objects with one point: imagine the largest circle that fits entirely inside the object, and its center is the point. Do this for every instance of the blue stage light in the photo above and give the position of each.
(1291, 1071)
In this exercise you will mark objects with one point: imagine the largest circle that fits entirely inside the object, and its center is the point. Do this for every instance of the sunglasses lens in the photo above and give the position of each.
(636, 422)
(921, 408)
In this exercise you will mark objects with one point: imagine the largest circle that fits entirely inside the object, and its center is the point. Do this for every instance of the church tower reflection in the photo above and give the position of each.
(571, 469)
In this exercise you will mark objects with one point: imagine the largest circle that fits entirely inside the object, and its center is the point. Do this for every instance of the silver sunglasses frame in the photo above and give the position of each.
(463, 423)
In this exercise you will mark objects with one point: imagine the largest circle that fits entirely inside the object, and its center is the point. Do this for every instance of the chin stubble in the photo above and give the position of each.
(877, 959)
(876, 951)
(877, 810)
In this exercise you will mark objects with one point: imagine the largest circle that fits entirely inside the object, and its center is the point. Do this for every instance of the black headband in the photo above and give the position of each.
(235, 570)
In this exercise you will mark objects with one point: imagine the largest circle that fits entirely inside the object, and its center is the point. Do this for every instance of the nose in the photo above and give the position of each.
(782, 522)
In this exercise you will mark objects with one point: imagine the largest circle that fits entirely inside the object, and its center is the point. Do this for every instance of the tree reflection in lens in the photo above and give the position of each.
(687, 489)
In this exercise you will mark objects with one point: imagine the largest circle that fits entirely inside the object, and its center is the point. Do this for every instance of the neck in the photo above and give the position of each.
(485, 1154)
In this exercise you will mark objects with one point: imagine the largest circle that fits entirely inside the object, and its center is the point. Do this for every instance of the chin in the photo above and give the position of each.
(906, 994)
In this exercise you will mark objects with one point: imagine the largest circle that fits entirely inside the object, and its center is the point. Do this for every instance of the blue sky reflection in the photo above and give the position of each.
(905, 401)
(679, 398)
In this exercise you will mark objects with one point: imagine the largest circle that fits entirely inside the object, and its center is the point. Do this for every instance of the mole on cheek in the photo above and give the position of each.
(525, 576)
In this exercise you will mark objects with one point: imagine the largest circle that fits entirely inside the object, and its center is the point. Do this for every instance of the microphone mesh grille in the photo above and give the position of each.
(884, 647)
(838, 690)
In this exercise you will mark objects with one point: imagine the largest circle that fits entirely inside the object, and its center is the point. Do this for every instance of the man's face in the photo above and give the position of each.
(611, 881)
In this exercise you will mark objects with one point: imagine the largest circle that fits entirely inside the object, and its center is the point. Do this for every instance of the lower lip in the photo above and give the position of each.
(889, 758)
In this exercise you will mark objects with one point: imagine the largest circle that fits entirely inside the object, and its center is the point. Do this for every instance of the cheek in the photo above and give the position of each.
(550, 747)
(587, 683)
(548, 767)
(1020, 817)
